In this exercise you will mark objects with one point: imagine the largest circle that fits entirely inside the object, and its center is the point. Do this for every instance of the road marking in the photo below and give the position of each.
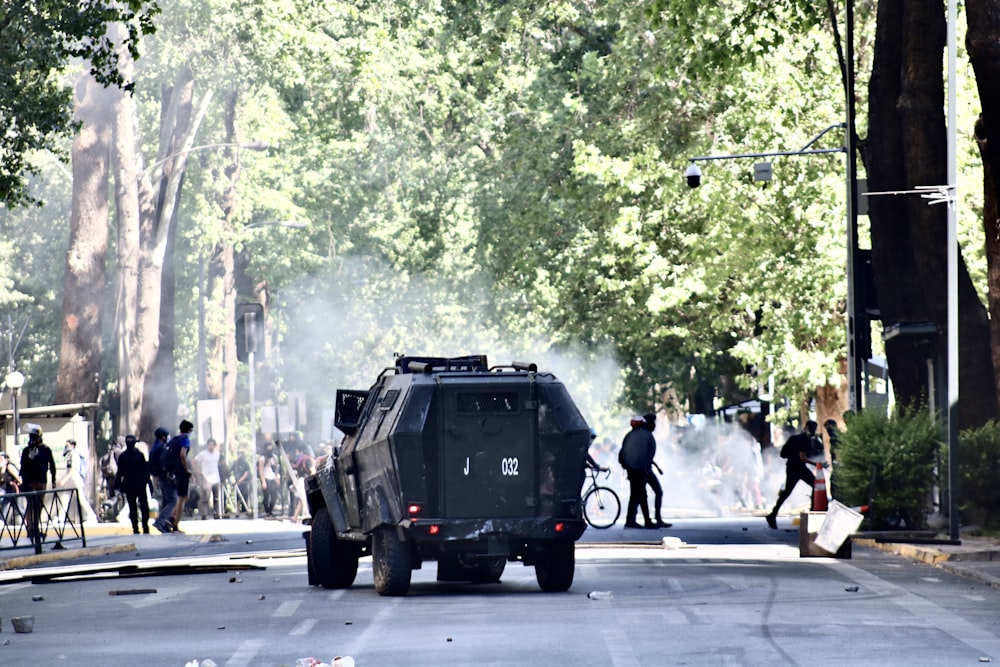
(304, 627)
(619, 648)
(286, 609)
(245, 653)
(982, 640)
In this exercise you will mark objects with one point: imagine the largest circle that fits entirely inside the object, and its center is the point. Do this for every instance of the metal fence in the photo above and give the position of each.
(39, 517)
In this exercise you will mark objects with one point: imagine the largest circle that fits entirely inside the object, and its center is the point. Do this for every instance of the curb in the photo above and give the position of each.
(960, 564)
(917, 553)
(55, 556)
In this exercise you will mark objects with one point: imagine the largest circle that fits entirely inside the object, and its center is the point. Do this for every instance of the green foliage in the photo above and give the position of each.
(37, 41)
(889, 463)
(979, 469)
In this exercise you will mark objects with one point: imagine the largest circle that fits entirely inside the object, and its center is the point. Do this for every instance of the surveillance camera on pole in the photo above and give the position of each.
(693, 175)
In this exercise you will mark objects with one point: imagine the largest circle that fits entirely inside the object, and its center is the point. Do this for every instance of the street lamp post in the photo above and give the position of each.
(14, 382)
(854, 300)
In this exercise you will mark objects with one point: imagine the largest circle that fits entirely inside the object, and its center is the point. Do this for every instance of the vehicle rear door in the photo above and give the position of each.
(488, 458)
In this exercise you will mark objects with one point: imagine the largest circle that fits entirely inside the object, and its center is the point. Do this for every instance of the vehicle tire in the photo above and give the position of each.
(334, 563)
(601, 507)
(554, 569)
(392, 562)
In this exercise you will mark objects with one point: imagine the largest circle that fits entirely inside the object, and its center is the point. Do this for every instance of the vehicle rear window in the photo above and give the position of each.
(489, 402)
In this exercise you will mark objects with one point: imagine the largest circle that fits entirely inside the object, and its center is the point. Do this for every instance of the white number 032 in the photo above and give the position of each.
(508, 466)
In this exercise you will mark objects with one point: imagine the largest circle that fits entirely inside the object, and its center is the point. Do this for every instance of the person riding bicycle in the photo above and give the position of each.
(591, 463)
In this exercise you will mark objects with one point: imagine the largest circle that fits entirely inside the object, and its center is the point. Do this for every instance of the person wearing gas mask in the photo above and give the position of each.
(36, 461)
(133, 479)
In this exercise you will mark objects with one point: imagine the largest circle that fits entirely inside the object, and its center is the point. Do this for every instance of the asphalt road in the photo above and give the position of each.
(724, 591)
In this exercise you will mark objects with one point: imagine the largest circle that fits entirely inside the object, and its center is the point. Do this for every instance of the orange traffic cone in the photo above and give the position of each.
(819, 490)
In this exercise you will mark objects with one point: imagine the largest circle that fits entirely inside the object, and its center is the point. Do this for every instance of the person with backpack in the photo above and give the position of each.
(168, 492)
(796, 452)
(175, 462)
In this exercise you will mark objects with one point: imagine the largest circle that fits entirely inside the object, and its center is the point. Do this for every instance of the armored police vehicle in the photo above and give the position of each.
(450, 460)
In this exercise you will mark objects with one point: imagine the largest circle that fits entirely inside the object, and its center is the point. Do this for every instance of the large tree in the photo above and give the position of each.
(983, 44)
(37, 41)
(905, 149)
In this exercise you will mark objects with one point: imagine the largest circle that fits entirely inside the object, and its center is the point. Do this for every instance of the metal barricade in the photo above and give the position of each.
(38, 517)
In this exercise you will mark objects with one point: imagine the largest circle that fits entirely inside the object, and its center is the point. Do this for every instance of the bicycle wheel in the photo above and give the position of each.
(601, 507)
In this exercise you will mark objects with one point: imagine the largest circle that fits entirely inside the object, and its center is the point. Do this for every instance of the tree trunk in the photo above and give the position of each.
(906, 148)
(160, 400)
(221, 380)
(983, 43)
(83, 294)
(131, 351)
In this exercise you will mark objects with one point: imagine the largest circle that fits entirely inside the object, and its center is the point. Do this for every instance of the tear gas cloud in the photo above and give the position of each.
(342, 328)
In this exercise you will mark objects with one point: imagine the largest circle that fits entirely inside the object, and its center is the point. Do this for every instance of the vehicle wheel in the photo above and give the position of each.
(334, 563)
(554, 569)
(601, 507)
(391, 562)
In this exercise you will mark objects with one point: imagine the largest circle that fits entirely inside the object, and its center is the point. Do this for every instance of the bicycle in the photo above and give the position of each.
(601, 506)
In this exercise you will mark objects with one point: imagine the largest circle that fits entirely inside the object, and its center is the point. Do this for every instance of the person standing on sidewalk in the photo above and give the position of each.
(74, 477)
(795, 451)
(132, 478)
(36, 461)
(168, 492)
(206, 463)
(177, 465)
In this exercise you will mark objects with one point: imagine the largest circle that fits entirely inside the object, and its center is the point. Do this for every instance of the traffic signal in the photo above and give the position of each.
(249, 331)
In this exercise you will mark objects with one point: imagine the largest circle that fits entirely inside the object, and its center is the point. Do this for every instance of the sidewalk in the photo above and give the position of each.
(976, 558)
(110, 538)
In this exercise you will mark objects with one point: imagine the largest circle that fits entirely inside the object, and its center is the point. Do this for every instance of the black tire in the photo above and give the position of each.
(554, 569)
(392, 563)
(334, 564)
(601, 507)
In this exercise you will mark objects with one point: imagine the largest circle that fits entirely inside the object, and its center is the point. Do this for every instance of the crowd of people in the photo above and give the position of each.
(720, 468)
(165, 481)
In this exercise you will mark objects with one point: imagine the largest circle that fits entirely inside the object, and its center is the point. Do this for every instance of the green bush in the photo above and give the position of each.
(978, 468)
(887, 462)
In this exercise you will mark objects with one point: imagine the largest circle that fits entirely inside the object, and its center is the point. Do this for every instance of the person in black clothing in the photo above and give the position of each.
(796, 452)
(591, 461)
(36, 460)
(651, 479)
(833, 434)
(133, 479)
(636, 456)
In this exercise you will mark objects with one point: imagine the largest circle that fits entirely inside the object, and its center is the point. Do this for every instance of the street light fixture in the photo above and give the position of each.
(14, 382)
(855, 313)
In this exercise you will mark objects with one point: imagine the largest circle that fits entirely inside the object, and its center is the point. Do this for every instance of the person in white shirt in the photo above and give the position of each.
(76, 473)
(206, 464)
